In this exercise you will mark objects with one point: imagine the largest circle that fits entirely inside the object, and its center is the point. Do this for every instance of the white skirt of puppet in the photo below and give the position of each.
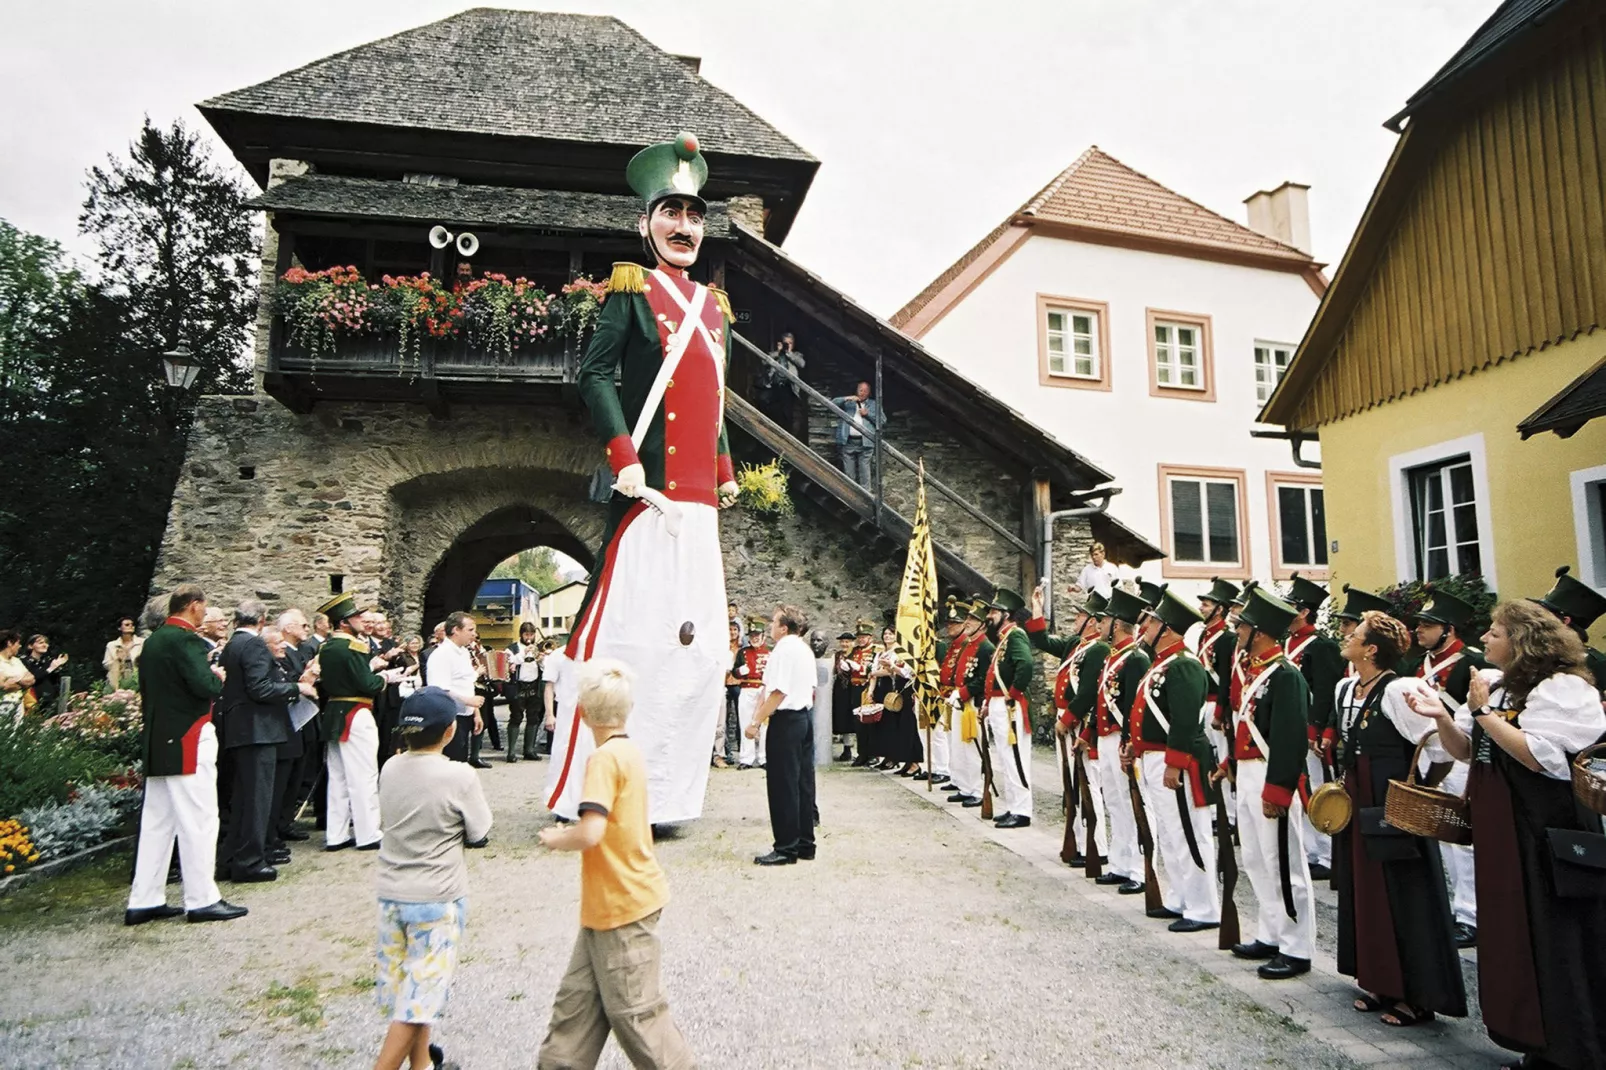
(653, 583)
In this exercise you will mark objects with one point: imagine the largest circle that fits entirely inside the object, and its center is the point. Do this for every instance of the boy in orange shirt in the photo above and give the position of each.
(612, 983)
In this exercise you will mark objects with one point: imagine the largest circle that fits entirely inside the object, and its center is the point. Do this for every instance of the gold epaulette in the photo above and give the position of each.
(723, 301)
(627, 278)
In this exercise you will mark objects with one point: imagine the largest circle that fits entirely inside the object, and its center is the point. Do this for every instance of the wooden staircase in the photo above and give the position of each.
(829, 488)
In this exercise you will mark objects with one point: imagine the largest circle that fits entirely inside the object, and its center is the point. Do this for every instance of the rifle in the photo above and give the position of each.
(1068, 801)
(1227, 862)
(988, 790)
(1151, 883)
(1090, 820)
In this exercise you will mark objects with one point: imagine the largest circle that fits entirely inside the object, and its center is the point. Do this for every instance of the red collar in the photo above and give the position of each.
(1214, 629)
(1302, 631)
(1118, 645)
(1455, 646)
(1257, 664)
(180, 622)
(1168, 650)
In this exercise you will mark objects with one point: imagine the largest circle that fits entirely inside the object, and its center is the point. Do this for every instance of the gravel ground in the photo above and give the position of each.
(910, 942)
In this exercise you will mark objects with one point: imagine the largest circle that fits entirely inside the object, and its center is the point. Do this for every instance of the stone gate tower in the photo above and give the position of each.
(403, 471)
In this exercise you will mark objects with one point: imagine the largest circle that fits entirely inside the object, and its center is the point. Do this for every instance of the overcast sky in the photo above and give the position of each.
(933, 119)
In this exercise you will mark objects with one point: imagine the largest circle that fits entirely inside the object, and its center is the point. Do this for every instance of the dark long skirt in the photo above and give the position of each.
(901, 733)
(844, 698)
(1395, 930)
(1541, 956)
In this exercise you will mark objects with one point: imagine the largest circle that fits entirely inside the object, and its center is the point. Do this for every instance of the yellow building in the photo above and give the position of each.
(1472, 299)
(558, 607)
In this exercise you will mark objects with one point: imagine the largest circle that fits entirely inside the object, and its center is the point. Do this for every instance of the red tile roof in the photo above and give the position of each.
(1101, 197)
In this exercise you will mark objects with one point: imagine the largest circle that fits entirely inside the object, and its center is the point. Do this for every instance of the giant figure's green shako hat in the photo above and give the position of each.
(672, 169)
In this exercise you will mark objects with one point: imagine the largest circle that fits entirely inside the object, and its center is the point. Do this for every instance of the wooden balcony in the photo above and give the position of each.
(430, 372)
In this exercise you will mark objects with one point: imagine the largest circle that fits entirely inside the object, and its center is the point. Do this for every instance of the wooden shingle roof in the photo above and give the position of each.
(531, 74)
(1100, 199)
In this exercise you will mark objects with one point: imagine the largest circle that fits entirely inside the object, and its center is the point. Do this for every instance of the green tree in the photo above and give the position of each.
(535, 566)
(35, 287)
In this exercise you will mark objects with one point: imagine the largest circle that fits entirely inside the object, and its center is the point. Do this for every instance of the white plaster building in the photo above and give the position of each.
(1149, 331)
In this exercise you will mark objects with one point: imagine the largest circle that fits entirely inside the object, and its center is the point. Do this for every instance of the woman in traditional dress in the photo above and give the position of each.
(844, 696)
(1396, 935)
(900, 735)
(15, 679)
(1541, 916)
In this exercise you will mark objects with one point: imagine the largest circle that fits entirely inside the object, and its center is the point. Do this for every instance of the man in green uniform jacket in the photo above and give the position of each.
(1579, 606)
(179, 745)
(1322, 663)
(346, 674)
(1119, 684)
(1270, 743)
(1009, 723)
(1174, 760)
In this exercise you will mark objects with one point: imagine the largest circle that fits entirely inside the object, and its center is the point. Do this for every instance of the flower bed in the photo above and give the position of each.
(71, 780)
(493, 312)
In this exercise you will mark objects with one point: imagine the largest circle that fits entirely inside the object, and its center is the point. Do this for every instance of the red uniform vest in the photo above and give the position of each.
(1243, 744)
(693, 399)
(754, 658)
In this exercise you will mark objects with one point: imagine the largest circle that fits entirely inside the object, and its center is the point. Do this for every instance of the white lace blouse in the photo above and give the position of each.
(1563, 715)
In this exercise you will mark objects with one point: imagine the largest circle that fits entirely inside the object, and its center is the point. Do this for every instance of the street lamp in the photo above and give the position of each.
(181, 367)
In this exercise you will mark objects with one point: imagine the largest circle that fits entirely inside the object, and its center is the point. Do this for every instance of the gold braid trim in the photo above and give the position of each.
(627, 278)
(723, 301)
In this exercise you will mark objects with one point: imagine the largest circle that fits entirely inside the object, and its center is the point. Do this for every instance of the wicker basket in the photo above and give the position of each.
(870, 713)
(1425, 811)
(1589, 787)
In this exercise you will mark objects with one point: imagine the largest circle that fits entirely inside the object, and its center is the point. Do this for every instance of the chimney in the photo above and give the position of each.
(693, 62)
(1282, 213)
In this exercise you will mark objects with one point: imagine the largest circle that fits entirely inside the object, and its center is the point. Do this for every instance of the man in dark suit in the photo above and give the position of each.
(256, 719)
(305, 773)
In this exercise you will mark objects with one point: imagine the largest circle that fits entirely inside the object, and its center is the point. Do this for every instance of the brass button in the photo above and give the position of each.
(671, 484)
(608, 450)
(671, 451)
(671, 384)
(670, 416)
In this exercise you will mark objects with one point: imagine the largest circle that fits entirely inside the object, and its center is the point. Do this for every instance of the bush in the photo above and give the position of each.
(1409, 598)
(42, 764)
(105, 721)
(762, 489)
(90, 815)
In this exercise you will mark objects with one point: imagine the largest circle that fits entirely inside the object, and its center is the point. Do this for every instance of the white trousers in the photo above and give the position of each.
(1095, 790)
(752, 750)
(183, 809)
(964, 763)
(1458, 859)
(353, 775)
(1318, 847)
(937, 761)
(1218, 741)
(1125, 856)
(1189, 887)
(1296, 936)
(1015, 790)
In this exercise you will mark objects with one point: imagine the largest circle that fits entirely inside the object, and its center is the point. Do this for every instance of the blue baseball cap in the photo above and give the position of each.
(426, 708)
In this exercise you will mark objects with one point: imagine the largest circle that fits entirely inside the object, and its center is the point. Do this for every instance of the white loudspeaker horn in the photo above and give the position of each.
(440, 237)
(467, 245)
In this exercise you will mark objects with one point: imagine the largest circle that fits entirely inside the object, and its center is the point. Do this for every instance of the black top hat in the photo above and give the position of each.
(1176, 614)
(1125, 606)
(845, 635)
(1442, 607)
(955, 611)
(1302, 592)
(1357, 601)
(1151, 593)
(1574, 599)
(1241, 599)
(1221, 592)
(1267, 613)
(976, 607)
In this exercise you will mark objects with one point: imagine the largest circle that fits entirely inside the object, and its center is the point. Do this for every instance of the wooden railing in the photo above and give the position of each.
(553, 361)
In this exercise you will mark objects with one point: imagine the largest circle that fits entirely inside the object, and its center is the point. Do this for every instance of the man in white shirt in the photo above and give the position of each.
(786, 706)
(1098, 574)
(451, 668)
(571, 742)
(524, 694)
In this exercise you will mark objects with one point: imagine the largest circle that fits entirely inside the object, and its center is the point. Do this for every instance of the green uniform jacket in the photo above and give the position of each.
(346, 678)
(1042, 639)
(1181, 698)
(1282, 714)
(1126, 684)
(1087, 684)
(1322, 664)
(1015, 667)
(1596, 663)
(626, 342)
(176, 689)
(1223, 655)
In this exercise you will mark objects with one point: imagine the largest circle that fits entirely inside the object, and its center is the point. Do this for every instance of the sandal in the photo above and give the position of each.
(1403, 1016)
(1367, 1003)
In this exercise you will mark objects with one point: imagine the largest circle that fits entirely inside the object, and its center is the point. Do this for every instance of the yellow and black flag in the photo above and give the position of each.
(917, 612)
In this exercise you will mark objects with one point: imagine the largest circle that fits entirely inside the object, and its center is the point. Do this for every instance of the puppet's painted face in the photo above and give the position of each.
(674, 230)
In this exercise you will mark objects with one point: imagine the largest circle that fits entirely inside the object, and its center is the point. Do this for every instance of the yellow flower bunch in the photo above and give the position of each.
(762, 488)
(16, 849)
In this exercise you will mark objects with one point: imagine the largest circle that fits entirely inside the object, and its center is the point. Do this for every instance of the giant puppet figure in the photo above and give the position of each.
(657, 597)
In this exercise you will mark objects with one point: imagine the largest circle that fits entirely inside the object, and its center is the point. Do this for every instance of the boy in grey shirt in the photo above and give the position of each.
(430, 808)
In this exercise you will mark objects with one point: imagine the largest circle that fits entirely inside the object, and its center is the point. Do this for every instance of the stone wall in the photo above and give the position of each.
(273, 504)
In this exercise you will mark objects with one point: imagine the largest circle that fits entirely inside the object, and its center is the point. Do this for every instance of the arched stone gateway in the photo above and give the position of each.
(407, 511)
